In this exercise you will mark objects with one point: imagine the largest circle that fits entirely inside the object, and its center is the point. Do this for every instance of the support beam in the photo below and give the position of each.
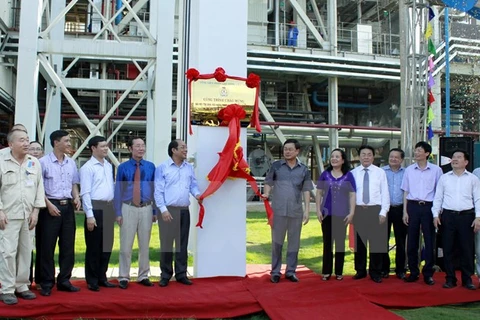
(303, 16)
(319, 18)
(52, 118)
(104, 84)
(333, 81)
(27, 67)
(108, 50)
(268, 117)
(129, 16)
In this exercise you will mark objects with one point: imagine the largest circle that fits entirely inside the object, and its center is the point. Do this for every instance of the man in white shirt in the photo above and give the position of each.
(372, 205)
(457, 198)
(97, 189)
(477, 236)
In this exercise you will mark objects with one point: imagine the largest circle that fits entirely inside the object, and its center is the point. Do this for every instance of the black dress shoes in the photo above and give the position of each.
(359, 276)
(93, 287)
(275, 278)
(470, 286)
(163, 282)
(46, 292)
(449, 285)
(292, 278)
(411, 278)
(123, 284)
(385, 275)
(107, 284)
(429, 281)
(401, 276)
(68, 288)
(146, 282)
(377, 279)
(185, 281)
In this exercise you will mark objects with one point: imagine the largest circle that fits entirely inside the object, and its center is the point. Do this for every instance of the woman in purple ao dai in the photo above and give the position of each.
(335, 203)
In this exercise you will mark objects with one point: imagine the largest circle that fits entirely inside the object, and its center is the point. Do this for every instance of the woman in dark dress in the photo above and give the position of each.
(335, 202)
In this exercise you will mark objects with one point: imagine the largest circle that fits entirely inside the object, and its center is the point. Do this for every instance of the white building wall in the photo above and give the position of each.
(7, 77)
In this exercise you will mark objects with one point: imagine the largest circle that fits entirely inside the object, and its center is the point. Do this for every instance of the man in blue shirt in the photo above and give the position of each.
(395, 173)
(133, 209)
(174, 182)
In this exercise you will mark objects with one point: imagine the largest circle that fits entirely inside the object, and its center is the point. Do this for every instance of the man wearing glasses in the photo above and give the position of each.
(134, 213)
(174, 182)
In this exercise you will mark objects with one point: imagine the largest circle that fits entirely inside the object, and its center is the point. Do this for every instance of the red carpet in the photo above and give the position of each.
(226, 297)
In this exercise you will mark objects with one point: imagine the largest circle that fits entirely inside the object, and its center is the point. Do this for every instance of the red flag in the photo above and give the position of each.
(431, 98)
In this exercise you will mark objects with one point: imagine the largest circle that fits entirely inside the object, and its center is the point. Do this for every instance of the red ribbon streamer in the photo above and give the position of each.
(231, 163)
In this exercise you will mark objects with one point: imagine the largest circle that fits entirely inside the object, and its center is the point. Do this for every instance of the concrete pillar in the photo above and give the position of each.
(27, 67)
(159, 100)
(218, 38)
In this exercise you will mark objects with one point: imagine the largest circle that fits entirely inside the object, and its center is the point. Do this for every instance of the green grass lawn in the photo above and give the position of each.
(258, 252)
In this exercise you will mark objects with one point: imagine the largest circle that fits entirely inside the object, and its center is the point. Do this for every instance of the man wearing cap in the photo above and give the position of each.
(292, 35)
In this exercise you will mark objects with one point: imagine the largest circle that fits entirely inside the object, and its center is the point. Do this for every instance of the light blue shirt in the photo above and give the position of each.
(174, 184)
(420, 184)
(477, 172)
(96, 183)
(394, 179)
(59, 178)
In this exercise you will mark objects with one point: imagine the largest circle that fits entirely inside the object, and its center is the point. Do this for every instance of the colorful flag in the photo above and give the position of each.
(431, 65)
(431, 14)
(429, 31)
(431, 81)
(430, 132)
(430, 115)
(431, 47)
(431, 98)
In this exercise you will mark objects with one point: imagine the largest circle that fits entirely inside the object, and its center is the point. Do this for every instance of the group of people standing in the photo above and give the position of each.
(41, 196)
(412, 199)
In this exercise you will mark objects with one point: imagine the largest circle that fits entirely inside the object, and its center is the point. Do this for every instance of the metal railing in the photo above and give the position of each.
(381, 43)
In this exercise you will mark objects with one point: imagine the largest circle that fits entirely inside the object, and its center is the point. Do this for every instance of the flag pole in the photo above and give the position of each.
(447, 74)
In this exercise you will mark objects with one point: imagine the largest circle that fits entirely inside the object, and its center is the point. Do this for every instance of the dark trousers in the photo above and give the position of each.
(420, 216)
(99, 242)
(395, 216)
(38, 250)
(334, 231)
(30, 277)
(176, 231)
(53, 228)
(368, 229)
(457, 232)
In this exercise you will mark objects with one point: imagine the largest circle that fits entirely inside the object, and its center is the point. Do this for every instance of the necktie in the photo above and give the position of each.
(136, 186)
(366, 187)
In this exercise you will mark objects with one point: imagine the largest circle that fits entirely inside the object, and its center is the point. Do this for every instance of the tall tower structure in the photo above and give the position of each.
(413, 74)
(82, 55)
